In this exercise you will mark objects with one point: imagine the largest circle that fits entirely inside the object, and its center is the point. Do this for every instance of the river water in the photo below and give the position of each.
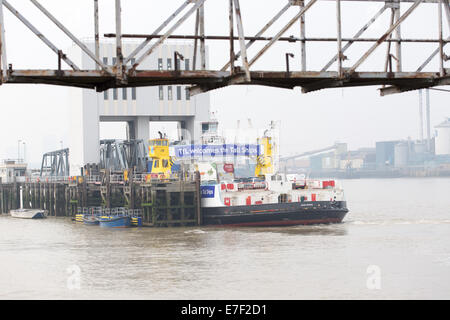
(394, 244)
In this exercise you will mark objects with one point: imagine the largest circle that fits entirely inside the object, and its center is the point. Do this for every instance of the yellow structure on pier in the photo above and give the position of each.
(159, 153)
(264, 163)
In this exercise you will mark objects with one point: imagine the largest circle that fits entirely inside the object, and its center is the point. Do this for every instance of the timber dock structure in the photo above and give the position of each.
(164, 203)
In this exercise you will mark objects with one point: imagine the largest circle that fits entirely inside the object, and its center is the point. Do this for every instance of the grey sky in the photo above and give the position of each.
(38, 114)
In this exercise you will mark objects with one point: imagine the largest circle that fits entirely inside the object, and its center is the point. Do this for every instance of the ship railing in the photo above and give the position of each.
(186, 177)
(321, 184)
(157, 177)
(47, 179)
(121, 211)
(89, 211)
(118, 211)
(252, 185)
(139, 178)
(96, 211)
(82, 210)
(135, 212)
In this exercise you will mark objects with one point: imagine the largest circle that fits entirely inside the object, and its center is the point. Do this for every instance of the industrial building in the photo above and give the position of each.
(429, 155)
(443, 138)
(385, 153)
(343, 159)
(12, 171)
(135, 106)
(395, 158)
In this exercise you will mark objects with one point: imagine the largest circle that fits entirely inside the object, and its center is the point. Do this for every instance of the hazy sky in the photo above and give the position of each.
(39, 115)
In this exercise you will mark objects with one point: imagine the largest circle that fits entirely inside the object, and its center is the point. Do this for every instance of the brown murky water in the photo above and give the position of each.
(394, 244)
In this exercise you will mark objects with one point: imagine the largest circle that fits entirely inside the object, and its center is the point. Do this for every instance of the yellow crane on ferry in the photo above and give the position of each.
(161, 161)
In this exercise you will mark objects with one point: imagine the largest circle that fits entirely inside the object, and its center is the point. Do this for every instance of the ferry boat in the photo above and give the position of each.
(275, 202)
(269, 198)
(266, 199)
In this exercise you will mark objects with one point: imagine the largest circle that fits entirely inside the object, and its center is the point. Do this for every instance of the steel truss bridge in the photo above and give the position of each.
(238, 69)
(119, 155)
(55, 164)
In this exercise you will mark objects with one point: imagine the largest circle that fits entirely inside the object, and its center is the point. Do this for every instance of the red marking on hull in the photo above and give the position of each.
(282, 223)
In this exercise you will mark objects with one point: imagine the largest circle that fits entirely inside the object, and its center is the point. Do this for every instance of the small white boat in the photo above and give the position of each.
(28, 213)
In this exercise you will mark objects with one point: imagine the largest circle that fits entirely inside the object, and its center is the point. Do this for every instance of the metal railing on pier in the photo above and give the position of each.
(102, 211)
(94, 179)
(114, 178)
(48, 179)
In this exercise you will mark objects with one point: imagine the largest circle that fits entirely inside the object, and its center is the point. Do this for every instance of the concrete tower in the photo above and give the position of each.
(136, 106)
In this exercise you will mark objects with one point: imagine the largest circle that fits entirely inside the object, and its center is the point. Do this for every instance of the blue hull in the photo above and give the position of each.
(115, 222)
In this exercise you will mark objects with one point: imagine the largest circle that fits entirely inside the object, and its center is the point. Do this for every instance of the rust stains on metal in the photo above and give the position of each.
(121, 75)
(209, 80)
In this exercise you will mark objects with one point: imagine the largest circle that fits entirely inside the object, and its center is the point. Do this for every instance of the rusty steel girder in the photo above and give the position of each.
(393, 78)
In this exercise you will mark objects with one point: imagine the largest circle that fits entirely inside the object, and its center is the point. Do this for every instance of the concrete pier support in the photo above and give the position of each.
(135, 106)
(84, 133)
(139, 128)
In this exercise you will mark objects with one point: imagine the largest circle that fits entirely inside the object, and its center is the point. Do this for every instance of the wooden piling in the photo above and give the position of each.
(167, 203)
(1, 197)
(198, 199)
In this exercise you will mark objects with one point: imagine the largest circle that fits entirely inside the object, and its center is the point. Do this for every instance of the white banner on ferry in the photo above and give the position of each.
(201, 151)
